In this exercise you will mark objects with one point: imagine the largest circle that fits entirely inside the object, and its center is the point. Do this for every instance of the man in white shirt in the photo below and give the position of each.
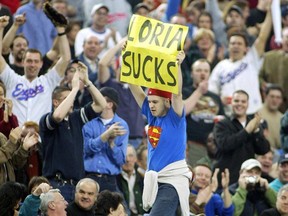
(241, 70)
(30, 94)
(107, 37)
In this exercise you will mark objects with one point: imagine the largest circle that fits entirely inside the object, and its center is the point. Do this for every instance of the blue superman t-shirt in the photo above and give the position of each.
(166, 138)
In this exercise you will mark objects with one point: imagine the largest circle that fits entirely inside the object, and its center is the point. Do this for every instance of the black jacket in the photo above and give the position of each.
(235, 145)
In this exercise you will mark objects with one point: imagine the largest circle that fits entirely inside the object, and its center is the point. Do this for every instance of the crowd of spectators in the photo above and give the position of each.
(73, 139)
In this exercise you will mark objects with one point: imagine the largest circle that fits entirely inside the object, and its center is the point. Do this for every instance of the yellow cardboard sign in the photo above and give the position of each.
(150, 56)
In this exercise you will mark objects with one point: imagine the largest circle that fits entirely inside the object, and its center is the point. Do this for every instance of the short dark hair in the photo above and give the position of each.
(10, 194)
(202, 60)
(240, 91)
(35, 181)
(107, 200)
(18, 36)
(272, 87)
(204, 165)
(30, 50)
(207, 14)
(234, 31)
(58, 90)
(71, 24)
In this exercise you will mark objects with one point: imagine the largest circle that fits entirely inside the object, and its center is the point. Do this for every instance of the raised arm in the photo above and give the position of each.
(192, 100)
(264, 31)
(219, 26)
(99, 102)
(227, 198)
(64, 49)
(138, 94)
(177, 102)
(104, 73)
(64, 107)
(4, 20)
(10, 35)
(137, 91)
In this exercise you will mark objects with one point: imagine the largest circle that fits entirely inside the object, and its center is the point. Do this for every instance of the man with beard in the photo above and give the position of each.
(38, 29)
(85, 197)
(17, 44)
(30, 93)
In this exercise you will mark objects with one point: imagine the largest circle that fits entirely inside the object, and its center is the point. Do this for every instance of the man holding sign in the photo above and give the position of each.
(166, 183)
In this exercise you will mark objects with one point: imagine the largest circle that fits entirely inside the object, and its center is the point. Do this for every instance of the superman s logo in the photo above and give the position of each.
(154, 134)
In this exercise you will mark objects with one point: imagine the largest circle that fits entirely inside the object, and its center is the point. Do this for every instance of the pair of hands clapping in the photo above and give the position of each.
(30, 140)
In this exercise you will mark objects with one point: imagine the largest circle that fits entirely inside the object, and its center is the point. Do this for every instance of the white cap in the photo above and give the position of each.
(97, 7)
(250, 164)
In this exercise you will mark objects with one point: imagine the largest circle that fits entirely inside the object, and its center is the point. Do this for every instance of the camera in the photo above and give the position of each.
(253, 185)
(251, 180)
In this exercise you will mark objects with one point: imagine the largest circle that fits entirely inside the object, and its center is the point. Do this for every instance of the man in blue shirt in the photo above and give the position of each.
(214, 205)
(282, 176)
(166, 183)
(38, 29)
(105, 143)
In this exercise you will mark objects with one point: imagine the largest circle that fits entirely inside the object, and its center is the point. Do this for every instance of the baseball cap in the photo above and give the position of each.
(250, 164)
(140, 5)
(160, 93)
(284, 10)
(97, 7)
(235, 8)
(283, 158)
(111, 93)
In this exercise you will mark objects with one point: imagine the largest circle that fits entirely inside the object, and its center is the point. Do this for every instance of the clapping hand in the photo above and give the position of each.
(116, 130)
(225, 179)
(15, 135)
(8, 109)
(83, 72)
(30, 140)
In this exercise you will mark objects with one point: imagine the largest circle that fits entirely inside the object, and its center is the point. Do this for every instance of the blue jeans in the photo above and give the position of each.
(106, 182)
(167, 201)
(67, 190)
